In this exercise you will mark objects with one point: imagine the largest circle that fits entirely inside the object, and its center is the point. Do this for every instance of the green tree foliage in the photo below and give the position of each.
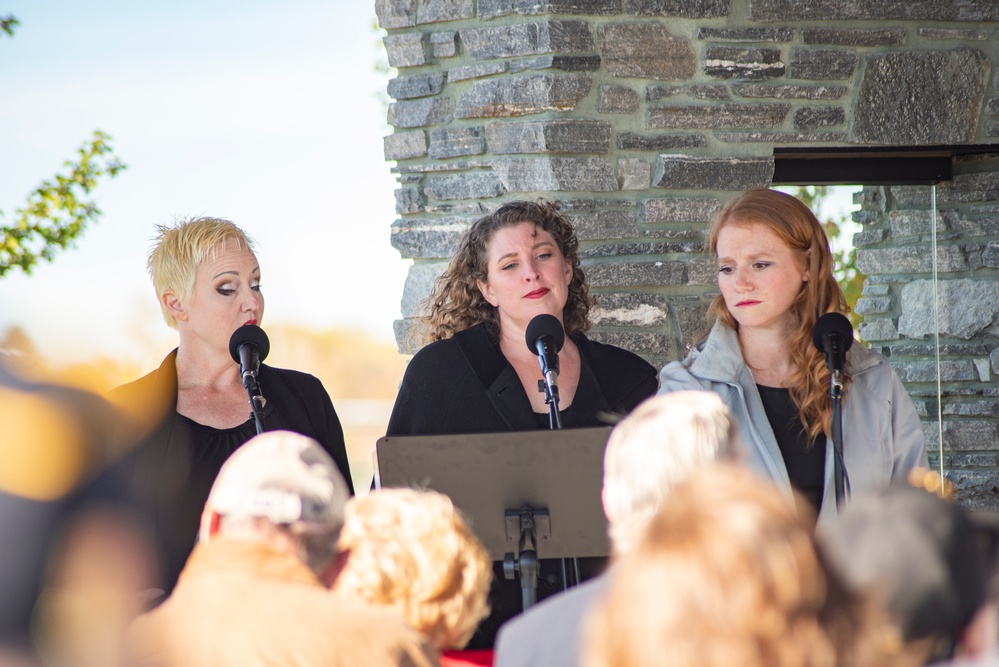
(59, 210)
(8, 23)
(851, 281)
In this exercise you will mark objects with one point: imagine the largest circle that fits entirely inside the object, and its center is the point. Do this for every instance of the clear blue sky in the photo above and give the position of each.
(269, 114)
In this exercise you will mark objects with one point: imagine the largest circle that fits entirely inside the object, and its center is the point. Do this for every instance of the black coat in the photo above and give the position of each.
(464, 384)
(172, 472)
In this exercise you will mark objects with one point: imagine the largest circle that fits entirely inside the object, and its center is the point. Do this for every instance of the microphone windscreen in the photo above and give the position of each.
(252, 334)
(545, 325)
(832, 323)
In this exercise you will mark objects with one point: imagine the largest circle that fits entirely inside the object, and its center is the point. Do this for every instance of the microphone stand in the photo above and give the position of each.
(840, 477)
(549, 386)
(257, 400)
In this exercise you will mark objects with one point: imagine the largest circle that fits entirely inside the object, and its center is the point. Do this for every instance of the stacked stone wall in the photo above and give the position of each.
(644, 116)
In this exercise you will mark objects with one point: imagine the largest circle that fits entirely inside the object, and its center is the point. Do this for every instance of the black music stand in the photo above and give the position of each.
(526, 494)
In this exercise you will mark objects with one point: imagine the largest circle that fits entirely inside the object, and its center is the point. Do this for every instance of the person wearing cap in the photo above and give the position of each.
(926, 564)
(662, 442)
(251, 592)
(207, 281)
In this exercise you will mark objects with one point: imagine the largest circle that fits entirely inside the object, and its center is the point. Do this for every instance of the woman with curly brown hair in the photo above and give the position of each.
(479, 376)
(775, 272)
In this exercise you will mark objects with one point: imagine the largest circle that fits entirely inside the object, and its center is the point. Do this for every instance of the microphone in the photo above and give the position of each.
(545, 337)
(248, 346)
(833, 336)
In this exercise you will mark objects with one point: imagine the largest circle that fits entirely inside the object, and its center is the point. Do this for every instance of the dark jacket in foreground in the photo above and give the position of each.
(173, 471)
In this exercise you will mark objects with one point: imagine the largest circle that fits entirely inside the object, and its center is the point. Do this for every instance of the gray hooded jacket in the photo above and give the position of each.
(882, 434)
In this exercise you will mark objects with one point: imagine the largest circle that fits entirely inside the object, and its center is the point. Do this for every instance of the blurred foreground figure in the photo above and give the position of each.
(728, 574)
(73, 558)
(412, 550)
(929, 566)
(662, 442)
(250, 594)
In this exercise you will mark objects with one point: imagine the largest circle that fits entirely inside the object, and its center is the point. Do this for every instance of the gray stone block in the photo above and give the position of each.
(869, 237)
(789, 92)
(877, 329)
(405, 49)
(637, 274)
(408, 200)
(962, 435)
(448, 142)
(745, 34)
(439, 11)
(854, 37)
(876, 290)
(990, 256)
(634, 174)
(695, 91)
(708, 173)
(617, 99)
(643, 249)
(925, 370)
(632, 141)
(417, 85)
(444, 44)
(432, 238)
(555, 174)
(909, 259)
(405, 145)
(395, 13)
(468, 185)
(920, 97)
(703, 271)
(962, 35)
(731, 62)
(966, 309)
(548, 136)
(811, 118)
(522, 39)
(750, 116)
(645, 344)
(691, 315)
(822, 64)
(646, 50)
(492, 8)
(778, 137)
(873, 305)
(476, 71)
(965, 188)
(674, 210)
(419, 283)
(872, 10)
(631, 309)
(691, 9)
(420, 113)
(561, 63)
(605, 225)
(522, 95)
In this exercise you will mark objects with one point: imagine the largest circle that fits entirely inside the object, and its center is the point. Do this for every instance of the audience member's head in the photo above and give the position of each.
(727, 573)
(281, 488)
(925, 563)
(413, 551)
(661, 443)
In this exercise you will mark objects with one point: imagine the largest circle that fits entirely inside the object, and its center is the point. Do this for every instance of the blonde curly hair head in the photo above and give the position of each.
(412, 550)
(796, 225)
